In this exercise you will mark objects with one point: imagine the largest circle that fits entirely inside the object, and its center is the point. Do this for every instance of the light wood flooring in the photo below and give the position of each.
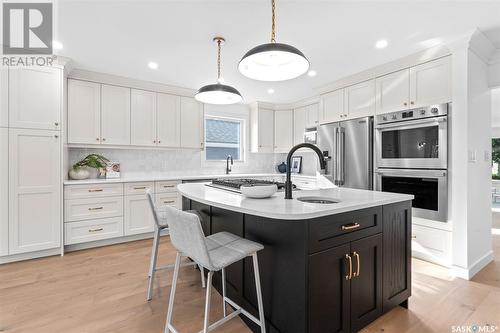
(104, 290)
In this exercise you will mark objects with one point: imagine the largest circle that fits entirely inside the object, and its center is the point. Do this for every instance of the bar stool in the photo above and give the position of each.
(160, 225)
(214, 253)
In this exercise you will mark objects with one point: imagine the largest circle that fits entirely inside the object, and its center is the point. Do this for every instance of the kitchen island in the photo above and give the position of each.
(325, 267)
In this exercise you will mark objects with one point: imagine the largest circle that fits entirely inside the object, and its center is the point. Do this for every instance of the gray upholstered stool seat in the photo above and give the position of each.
(225, 248)
(214, 253)
(161, 223)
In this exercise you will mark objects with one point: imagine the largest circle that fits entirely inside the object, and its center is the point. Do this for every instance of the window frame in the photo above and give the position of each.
(241, 121)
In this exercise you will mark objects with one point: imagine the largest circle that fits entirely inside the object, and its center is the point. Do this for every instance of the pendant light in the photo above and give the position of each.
(218, 93)
(273, 61)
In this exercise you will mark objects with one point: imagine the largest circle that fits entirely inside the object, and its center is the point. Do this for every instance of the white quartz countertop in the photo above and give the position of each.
(278, 208)
(160, 177)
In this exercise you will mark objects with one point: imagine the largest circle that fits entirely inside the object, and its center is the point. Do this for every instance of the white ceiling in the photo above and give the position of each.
(338, 37)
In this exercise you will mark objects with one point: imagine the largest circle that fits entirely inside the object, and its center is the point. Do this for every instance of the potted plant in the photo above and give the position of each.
(80, 169)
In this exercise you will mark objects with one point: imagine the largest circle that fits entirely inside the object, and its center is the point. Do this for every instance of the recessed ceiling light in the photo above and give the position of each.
(270, 91)
(152, 65)
(56, 45)
(312, 73)
(381, 44)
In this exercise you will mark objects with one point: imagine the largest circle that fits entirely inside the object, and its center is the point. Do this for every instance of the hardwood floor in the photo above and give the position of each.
(104, 290)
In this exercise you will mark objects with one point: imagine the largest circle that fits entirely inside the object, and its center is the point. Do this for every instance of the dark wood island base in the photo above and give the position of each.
(335, 273)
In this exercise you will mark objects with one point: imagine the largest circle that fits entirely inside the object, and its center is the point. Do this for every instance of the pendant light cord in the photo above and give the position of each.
(218, 60)
(273, 26)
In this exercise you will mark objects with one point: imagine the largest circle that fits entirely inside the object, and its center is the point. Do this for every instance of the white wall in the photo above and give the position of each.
(495, 112)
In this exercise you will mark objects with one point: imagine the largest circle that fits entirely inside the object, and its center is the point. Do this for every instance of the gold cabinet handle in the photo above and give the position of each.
(97, 139)
(349, 260)
(96, 190)
(412, 102)
(405, 104)
(140, 188)
(168, 201)
(168, 186)
(358, 263)
(350, 226)
(96, 230)
(95, 208)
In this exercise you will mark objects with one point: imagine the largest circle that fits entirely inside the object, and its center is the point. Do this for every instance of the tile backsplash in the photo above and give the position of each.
(176, 162)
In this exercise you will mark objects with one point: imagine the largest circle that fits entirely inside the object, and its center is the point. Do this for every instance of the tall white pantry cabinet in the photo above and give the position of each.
(30, 160)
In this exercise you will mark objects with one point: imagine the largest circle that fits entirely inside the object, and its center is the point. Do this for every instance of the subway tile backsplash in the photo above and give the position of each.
(176, 162)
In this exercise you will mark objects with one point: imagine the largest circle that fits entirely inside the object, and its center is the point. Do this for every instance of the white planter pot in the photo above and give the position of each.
(79, 174)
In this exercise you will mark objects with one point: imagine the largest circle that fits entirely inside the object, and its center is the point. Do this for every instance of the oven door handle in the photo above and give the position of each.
(411, 123)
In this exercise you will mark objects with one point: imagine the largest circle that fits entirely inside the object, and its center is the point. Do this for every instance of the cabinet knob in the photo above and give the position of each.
(159, 141)
(97, 139)
(405, 104)
(154, 141)
(56, 136)
(103, 139)
(57, 124)
(412, 102)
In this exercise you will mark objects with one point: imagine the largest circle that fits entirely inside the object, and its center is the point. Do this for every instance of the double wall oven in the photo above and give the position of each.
(411, 156)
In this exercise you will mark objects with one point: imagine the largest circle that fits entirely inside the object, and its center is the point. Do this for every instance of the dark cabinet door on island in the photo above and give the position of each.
(329, 290)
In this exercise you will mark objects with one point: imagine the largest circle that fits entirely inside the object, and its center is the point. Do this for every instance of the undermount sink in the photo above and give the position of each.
(318, 200)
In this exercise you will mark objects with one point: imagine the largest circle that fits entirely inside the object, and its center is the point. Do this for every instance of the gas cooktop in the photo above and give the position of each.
(235, 184)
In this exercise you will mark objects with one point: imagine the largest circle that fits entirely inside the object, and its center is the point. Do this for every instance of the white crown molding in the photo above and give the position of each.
(116, 80)
(482, 46)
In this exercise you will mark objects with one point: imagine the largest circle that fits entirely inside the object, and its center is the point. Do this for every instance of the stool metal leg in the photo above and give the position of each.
(259, 293)
(224, 292)
(152, 265)
(172, 293)
(207, 302)
(203, 284)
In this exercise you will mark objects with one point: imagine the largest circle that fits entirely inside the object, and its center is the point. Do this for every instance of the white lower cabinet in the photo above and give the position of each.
(92, 208)
(431, 244)
(34, 190)
(168, 199)
(92, 230)
(138, 217)
(4, 191)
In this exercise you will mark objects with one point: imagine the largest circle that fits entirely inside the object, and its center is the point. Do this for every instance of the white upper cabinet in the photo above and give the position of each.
(312, 115)
(35, 97)
(283, 131)
(393, 92)
(299, 124)
(360, 100)
(192, 123)
(34, 190)
(4, 191)
(4, 96)
(262, 130)
(430, 83)
(332, 106)
(168, 120)
(143, 118)
(115, 115)
(84, 112)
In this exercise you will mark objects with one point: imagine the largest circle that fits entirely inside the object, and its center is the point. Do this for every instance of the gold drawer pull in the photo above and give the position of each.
(167, 186)
(169, 201)
(358, 263)
(349, 276)
(96, 208)
(351, 226)
(96, 190)
(96, 230)
(140, 188)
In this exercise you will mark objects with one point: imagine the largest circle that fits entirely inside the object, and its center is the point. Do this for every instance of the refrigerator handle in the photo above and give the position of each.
(342, 156)
(336, 155)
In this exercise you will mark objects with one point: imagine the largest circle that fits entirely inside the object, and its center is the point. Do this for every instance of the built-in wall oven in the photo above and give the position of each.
(411, 157)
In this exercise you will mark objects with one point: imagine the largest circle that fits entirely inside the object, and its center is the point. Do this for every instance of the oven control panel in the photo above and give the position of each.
(417, 113)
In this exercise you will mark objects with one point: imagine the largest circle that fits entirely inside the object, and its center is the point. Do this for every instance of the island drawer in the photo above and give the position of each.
(92, 191)
(92, 230)
(330, 231)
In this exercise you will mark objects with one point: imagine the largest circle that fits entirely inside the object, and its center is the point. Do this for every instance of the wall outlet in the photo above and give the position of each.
(472, 156)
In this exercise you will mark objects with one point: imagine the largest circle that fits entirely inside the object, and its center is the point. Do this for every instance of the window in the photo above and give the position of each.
(223, 137)
(495, 158)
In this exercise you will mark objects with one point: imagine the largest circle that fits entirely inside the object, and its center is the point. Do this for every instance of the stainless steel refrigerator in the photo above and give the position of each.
(348, 148)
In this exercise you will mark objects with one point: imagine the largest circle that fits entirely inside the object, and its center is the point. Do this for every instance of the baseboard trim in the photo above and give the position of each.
(30, 255)
(111, 241)
(468, 273)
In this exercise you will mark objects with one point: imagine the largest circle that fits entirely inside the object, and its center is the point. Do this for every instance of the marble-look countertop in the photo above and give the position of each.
(165, 177)
(277, 207)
